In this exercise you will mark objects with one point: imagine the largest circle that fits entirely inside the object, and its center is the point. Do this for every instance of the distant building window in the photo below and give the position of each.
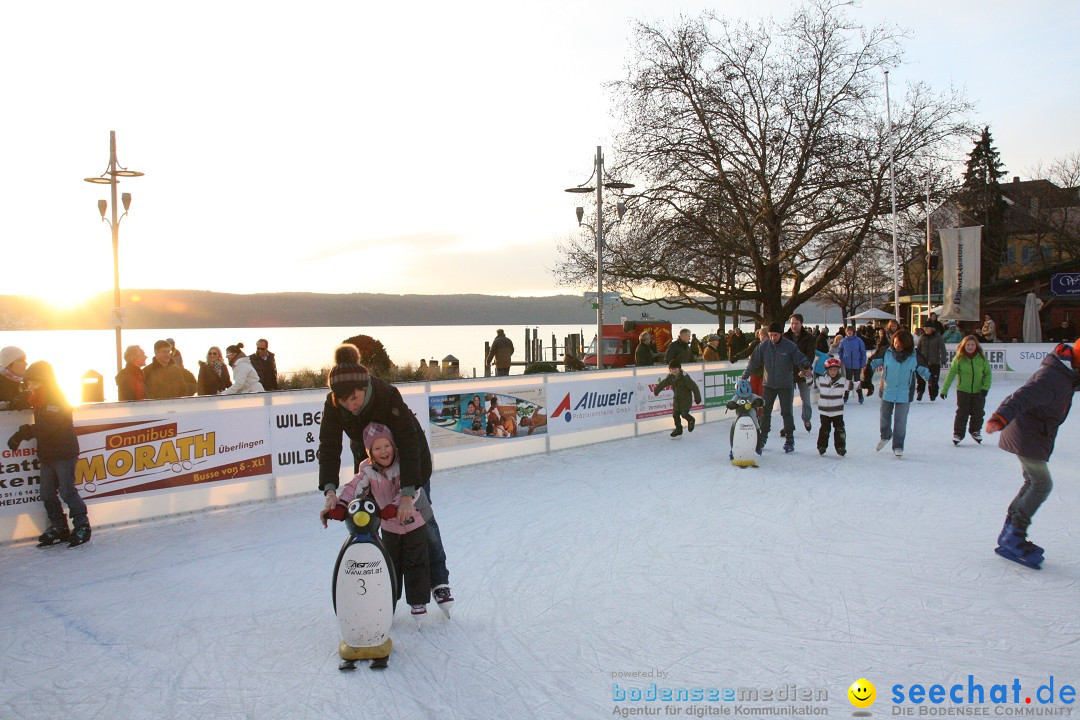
(1048, 254)
(1027, 255)
(1010, 256)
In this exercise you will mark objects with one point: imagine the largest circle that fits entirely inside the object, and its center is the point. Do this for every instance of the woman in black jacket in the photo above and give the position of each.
(213, 374)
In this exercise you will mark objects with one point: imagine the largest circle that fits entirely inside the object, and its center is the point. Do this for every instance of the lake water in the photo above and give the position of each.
(74, 352)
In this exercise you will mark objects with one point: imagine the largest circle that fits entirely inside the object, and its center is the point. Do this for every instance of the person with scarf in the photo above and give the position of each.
(901, 364)
(131, 381)
(245, 377)
(213, 375)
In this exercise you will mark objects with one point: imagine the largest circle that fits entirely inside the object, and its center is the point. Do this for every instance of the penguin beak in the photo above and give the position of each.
(361, 519)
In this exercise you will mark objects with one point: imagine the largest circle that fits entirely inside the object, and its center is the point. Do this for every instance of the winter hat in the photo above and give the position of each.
(41, 372)
(373, 432)
(10, 354)
(776, 326)
(347, 375)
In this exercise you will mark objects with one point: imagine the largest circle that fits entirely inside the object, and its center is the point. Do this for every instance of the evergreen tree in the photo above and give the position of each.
(982, 201)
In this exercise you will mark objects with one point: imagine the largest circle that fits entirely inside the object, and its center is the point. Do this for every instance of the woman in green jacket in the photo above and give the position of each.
(972, 369)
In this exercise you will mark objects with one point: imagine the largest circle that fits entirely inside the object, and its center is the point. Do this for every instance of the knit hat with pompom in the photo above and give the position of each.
(348, 375)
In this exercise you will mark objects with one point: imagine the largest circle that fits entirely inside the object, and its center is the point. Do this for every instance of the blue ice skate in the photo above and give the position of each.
(1014, 545)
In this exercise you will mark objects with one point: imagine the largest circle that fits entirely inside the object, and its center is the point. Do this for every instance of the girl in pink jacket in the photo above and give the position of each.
(402, 511)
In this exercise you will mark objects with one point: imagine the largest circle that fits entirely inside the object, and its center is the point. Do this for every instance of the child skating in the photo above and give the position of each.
(684, 387)
(1029, 420)
(972, 370)
(833, 387)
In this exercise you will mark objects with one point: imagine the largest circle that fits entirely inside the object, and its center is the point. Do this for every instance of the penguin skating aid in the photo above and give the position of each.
(364, 588)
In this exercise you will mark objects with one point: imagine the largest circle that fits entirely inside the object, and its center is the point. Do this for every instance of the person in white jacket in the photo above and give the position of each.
(245, 378)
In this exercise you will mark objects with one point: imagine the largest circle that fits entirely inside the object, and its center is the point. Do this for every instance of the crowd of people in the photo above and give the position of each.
(165, 376)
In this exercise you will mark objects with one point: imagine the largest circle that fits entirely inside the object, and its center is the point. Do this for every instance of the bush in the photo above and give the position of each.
(372, 354)
(541, 367)
(303, 379)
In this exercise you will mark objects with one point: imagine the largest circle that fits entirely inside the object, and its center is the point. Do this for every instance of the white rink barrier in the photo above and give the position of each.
(159, 458)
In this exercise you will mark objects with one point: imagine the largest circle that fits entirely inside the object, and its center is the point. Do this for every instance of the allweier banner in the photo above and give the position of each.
(961, 255)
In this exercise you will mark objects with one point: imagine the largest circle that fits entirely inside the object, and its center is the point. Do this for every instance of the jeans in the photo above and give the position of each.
(853, 374)
(786, 395)
(804, 395)
(894, 422)
(1035, 490)
(58, 481)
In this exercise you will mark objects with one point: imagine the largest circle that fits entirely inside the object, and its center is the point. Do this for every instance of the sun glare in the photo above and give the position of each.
(68, 296)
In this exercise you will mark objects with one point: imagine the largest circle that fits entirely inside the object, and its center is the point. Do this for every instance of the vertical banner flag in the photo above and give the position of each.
(961, 255)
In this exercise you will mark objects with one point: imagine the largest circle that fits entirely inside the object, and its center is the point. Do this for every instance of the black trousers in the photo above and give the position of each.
(970, 408)
(935, 373)
(836, 424)
(853, 374)
(409, 553)
(678, 417)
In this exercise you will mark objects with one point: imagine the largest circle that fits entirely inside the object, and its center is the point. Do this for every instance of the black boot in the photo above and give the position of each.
(79, 535)
(53, 536)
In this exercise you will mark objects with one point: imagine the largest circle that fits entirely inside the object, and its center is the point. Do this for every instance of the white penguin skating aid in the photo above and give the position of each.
(744, 442)
(364, 590)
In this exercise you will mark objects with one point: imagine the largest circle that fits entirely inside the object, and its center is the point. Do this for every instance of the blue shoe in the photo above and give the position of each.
(1015, 540)
(789, 447)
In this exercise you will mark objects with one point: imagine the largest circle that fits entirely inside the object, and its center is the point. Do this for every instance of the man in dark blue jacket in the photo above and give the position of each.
(1028, 420)
(781, 360)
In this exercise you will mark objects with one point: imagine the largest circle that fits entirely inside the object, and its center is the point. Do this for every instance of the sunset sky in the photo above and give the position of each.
(391, 147)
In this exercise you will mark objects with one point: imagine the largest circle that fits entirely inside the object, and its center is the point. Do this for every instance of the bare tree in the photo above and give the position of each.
(768, 145)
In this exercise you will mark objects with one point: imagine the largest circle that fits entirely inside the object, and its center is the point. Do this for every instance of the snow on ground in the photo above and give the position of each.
(645, 554)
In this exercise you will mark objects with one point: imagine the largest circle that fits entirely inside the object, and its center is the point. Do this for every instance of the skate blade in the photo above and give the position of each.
(445, 608)
(347, 665)
(378, 663)
(1019, 559)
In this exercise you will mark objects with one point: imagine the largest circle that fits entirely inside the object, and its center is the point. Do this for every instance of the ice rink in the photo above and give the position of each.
(573, 571)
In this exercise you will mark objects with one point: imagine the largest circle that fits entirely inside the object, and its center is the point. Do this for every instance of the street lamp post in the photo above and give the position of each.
(109, 177)
(598, 173)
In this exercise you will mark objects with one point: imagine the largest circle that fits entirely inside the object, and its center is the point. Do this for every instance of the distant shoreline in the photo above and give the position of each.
(149, 309)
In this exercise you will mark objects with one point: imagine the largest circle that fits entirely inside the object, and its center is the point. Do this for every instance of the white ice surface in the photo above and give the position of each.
(641, 554)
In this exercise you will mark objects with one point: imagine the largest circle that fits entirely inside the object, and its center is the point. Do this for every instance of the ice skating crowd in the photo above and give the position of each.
(392, 462)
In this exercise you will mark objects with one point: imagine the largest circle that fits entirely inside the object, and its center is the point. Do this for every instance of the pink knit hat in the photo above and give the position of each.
(373, 432)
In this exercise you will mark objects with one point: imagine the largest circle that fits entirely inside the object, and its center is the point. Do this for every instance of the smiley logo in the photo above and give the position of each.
(862, 693)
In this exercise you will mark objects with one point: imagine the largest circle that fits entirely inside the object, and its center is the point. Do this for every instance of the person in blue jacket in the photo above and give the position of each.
(1028, 421)
(901, 364)
(853, 355)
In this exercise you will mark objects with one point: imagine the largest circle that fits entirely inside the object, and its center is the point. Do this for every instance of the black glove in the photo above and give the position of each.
(15, 440)
(983, 393)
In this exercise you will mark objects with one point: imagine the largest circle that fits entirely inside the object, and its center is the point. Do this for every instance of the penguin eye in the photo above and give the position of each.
(354, 507)
(369, 507)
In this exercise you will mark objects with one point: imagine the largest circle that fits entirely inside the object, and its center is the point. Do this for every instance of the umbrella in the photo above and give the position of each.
(873, 314)
(1032, 325)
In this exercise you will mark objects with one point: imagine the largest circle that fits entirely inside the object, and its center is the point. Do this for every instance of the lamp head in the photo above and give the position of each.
(102, 206)
(126, 199)
(621, 208)
(580, 212)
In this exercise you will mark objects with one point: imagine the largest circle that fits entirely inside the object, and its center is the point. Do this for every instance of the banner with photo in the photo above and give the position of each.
(961, 258)
(649, 405)
(592, 403)
(719, 386)
(143, 455)
(462, 419)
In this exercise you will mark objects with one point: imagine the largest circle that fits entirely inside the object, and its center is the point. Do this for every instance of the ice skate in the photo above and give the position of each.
(976, 436)
(690, 423)
(1014, 545)
(53, 536)
(956, 439)
(79, 535)
(881, 444)
(443, 598)
(676, 432)
(898, 452)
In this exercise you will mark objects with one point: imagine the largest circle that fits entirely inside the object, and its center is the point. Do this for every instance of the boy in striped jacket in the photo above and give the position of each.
(832, 386)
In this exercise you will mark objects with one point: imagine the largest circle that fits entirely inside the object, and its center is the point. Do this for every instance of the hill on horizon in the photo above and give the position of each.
(148, 309)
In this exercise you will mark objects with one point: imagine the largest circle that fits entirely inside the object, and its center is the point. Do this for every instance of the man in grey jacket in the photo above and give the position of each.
(779, 358)
(932, 348)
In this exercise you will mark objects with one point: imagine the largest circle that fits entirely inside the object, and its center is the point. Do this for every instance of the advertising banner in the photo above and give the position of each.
(592, 403)
(650, 405)
(144, 455)
(1065, 284)
(294, 436)
(1024, 358)
(961, 254)
(719, 386)
(463, 419)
